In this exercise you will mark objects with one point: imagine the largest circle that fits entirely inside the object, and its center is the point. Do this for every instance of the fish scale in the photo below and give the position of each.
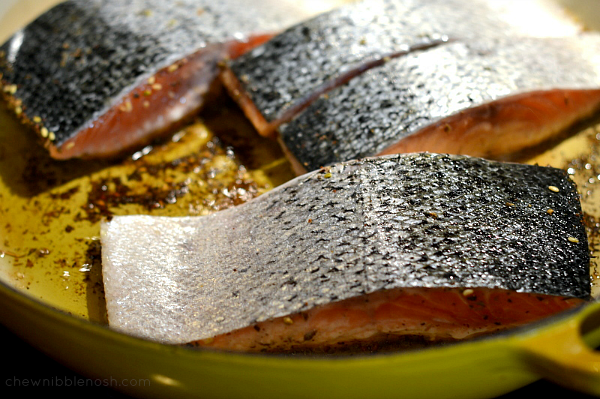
(343, 232)
(388, 104)
(282, 75)
(80, 58)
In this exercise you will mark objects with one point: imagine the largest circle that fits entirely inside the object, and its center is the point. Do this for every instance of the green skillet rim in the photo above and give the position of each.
(37, 305)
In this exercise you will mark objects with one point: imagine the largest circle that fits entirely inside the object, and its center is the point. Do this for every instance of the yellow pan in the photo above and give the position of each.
(51, 290)
(558, 349)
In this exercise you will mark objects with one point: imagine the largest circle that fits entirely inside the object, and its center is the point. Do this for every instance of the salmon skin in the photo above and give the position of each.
(94, 77)
(275, 81)
(490, 98)
(405, 228)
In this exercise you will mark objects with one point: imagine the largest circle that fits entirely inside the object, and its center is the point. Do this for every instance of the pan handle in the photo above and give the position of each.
(563, 352)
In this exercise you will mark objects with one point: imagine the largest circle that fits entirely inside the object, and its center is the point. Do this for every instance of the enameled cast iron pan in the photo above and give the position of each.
(51, 291)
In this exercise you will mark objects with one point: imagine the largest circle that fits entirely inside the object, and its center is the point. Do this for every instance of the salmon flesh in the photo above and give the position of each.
(489, 98)
(97, 77)
(276, 80)
(425, 245)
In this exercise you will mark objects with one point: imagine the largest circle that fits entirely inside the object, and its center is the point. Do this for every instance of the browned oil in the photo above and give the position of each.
(51, 210)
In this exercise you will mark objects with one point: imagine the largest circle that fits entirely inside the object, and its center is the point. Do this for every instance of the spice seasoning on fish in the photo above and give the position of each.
(73, 65)
(374, 259)
(278, 80)
(400, 107)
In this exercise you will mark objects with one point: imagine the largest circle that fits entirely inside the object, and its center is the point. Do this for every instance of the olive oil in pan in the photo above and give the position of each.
(580, 157)
(50, 210)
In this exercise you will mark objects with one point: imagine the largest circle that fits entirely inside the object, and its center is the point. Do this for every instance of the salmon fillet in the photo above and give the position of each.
(277, 80)
(490, 98)
(95, 78)
(393, 318)
(366, 247)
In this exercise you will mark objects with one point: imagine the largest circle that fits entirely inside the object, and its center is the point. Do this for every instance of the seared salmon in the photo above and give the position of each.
(97, 77)
(489, 98)
(397, 318)
(429, 245)
(278, 79)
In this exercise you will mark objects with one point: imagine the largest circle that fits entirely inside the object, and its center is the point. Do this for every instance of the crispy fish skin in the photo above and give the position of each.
(276, 80)
(354, 229)
(488, 98)
(76, 63)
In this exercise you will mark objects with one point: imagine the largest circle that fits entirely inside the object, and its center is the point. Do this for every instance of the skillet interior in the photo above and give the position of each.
(50, 254)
